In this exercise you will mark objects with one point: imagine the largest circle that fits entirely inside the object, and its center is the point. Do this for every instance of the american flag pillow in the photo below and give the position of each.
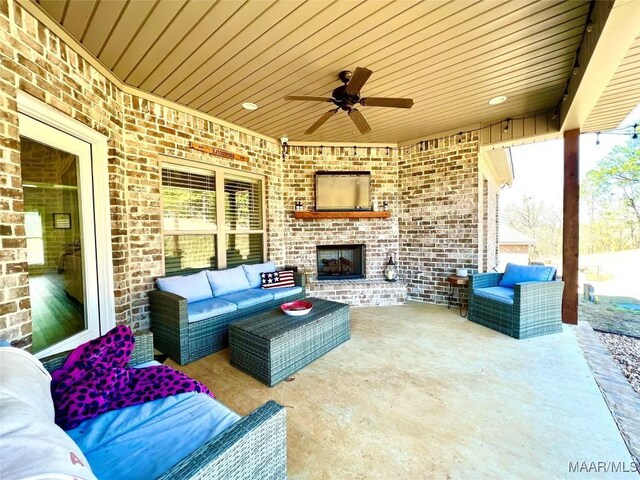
(277, 279)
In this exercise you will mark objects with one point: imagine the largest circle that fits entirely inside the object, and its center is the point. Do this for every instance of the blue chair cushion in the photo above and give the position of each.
(499, 294)
(143, 441)
(526, 273)
(228, 281)
(248, 298)
(192, 287)
(253, 272)
(208, 308)
(279, 293)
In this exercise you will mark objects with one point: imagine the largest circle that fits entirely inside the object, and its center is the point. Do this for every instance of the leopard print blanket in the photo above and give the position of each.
(95, 379)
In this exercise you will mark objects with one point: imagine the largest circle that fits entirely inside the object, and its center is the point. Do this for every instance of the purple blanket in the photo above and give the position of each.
(95, 379)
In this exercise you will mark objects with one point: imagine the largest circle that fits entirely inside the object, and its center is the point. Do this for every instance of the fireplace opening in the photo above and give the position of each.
(340, 262)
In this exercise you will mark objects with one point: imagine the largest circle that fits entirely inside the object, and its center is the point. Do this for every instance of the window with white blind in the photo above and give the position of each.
(33, 232)
(198, 233)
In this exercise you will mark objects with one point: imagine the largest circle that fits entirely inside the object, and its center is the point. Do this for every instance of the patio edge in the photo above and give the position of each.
(621, 399)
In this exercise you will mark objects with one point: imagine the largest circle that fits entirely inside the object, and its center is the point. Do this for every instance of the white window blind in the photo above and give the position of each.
(191, 219)
(243, 203)
(188, 201)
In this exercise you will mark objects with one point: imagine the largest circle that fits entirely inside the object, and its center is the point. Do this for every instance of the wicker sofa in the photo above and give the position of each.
(252, 447)
(524, 302)
(186, 333)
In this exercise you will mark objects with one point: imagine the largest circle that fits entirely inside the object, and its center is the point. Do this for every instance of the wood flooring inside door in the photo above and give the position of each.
(56, 315)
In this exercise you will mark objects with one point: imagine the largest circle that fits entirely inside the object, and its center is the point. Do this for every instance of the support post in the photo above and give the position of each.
(571, 226)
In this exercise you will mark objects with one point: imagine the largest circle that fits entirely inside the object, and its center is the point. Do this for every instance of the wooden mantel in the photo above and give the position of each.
(352, 214)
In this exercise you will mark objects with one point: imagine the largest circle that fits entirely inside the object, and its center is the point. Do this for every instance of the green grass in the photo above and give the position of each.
(607, 316)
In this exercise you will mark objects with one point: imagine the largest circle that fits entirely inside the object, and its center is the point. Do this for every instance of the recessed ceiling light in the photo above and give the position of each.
(249, 106)
(497, 100)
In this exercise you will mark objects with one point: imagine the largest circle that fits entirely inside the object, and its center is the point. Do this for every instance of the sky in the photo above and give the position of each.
(538, 167)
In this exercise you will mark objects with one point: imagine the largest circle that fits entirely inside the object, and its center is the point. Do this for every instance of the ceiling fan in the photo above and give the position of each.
(346, 96)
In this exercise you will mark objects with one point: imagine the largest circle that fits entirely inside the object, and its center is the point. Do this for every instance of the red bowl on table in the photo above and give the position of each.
(297, 308)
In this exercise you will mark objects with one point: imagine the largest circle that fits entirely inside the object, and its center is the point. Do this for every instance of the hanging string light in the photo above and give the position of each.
(425, 145)
(619, 131)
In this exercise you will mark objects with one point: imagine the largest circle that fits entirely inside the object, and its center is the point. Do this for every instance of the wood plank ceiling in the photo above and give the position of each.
(451, 57)
(622, 94)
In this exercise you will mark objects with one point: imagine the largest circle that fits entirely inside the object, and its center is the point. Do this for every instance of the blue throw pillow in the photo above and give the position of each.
(192, 287)
(228, 281)
(253, 272)
(526, 273)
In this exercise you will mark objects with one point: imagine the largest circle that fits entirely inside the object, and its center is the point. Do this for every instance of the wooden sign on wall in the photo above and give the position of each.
(218, 152)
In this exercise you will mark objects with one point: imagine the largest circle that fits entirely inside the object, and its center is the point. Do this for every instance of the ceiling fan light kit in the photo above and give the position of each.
(346, 96)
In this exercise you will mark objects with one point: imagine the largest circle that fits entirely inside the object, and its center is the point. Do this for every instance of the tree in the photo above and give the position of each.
(538, 220)
(612, 194)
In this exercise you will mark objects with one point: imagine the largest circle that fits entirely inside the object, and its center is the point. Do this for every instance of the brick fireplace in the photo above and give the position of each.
(340, 262)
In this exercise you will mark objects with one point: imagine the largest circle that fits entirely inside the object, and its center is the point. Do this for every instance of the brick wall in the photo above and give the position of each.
(491, 227)
(33, 59)
(438, 221)
(155, 133)
(380, 236)
(432, 194)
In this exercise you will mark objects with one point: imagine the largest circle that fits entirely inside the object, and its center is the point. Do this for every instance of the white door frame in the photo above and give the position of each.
(33, 110)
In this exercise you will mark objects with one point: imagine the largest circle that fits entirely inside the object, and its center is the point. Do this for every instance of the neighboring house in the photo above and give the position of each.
(514, 247)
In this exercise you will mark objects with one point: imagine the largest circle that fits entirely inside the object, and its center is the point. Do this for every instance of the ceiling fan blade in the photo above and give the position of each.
(358, 79)
(308, 99)
(387, 102)
(320, 121)
(359, 121)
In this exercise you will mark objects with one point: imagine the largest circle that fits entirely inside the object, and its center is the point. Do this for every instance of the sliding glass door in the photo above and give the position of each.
(57, 180)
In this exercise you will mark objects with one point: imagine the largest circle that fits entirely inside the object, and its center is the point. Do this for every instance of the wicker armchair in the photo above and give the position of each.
(254, 447)
(536, 308)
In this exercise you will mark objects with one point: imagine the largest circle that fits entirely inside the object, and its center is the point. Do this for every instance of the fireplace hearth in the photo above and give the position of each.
(340, 262)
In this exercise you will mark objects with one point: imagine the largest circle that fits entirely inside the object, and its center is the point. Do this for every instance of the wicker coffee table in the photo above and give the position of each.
(271, 346)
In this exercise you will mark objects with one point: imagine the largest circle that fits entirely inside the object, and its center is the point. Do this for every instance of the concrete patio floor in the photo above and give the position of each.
(419, 392)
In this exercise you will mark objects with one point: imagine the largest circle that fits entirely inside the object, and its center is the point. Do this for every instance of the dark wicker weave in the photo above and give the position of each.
(186, 342)
(536, 309)
(253, 448)
(142, 352)
(271, 346)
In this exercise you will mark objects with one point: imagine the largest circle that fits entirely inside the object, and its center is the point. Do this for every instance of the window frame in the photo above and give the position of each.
(220, 231)
(28, 237)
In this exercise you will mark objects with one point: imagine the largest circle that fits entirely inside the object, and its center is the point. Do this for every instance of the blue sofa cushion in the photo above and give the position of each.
(499, 294)
(279, 293)
(143, 441)
(253, 272)
(228, 281)
(526, 273)
(192, 287)
(208, 308)
(248, 298)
